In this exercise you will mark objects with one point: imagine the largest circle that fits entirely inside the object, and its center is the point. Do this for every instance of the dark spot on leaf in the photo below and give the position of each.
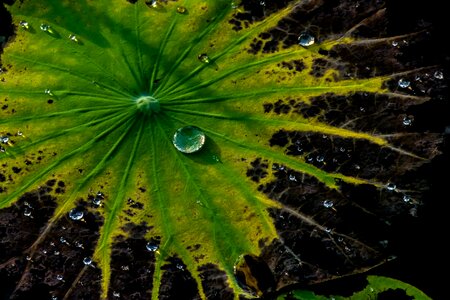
(177, 282)
(394, 295)
(214, 282)
(49, 101)
(258, 170)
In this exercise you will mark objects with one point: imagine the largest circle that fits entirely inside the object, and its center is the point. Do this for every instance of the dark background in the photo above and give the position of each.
(420, 243)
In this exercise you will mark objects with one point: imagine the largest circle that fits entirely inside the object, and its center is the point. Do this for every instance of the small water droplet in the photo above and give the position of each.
(180, 267)
(292, 177)
(320, 158)
(27, 212)
(403, 83)
(62, 240)
(391, 186)
(407, 121)
(305, 39)
(4, 139)
(235, 4)
(394, 43)
(384, 243)
(48, 92)
(181, 10)
(204, 58)
(125, 268)
(19, 133)
(59, 277)
(56, 252)
(439, 75)
(78, 244)
(24, 24)
(87, 261)
(97, 201)
(54, 298)
(262, 3)
(189, 139)
(45, 27)
(116, 294)
(328, 230)
(406, 198)
(76, 214)
(328, 203)
(73, 38)
(154, 3)
(3, 150)
(151, 246)
(28, 258)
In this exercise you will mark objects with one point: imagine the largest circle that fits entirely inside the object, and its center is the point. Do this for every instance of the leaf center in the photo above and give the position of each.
(148, 104)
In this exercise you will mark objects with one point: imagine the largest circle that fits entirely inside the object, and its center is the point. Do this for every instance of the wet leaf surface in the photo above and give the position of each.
(298, 145)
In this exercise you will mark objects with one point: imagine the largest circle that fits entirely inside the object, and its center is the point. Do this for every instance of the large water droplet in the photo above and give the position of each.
(403, 83)
(151, 246)
(76, 214)
(204, 58)
(189, 139)
(305, 39)
(24, 24)
(328, 204)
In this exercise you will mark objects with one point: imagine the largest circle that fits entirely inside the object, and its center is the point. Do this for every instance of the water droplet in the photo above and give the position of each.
(262, 3)
(151, 246)
(204, 58)
(28, 258)
(73, 38)
(394, 43)
(87, 261)
(439, 75)
(391, 186)
(292, 177)
(148, 104)
(24, 24)
(48, 92)
(45, 27)
(328, 230)
(403, 83)
(320, 158)
(406, 198)
(27, 212)
(97, 201)
(181, 10)
(235, 4)
(328, 203)
(125, 268)
(78, 244)
(56, 252)
(62, 240)
(59, 277)
(305, 39)
(384, 243)
(154, 3)
(189, 139)
(75, 214)
(54, 298)
(116, 294)
(3, 150)
(407, 121)
(4, 139)
(180, 267)
(19, 133)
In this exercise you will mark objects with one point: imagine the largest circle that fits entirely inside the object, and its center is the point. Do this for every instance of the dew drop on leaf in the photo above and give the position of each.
(59, 277)
(189, 139)
(44, 27)
(24, 24)
(328, 204)
(27, 212)
(403, 83)
(204, 58)
(305, 39)
(87, 261)
(73, 38)
(75, 214)
(439, 75)
(406, 198)
(4, 139)
(407, 121)
(181, 10)
(391, 186)
(48, 92)
(152, 247)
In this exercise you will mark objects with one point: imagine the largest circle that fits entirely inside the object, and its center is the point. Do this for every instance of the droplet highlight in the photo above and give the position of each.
(391, 186)
(151, 246)
(403, 83)
(87, 261)
(204, 58)
(76, 214)
(328, 203)
(24, 24)
(45, 27)
(306, 39)
(189, 139)
(181, 10)
(73, 38)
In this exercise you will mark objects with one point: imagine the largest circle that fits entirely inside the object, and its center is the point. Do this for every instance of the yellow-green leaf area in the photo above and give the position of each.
(96, 91)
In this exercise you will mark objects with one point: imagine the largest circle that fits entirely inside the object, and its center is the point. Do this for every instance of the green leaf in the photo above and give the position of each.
(94, 93)
(376, 286)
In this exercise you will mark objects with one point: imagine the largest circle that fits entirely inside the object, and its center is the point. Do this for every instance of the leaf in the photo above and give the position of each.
(377, 285)
(302, 166)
